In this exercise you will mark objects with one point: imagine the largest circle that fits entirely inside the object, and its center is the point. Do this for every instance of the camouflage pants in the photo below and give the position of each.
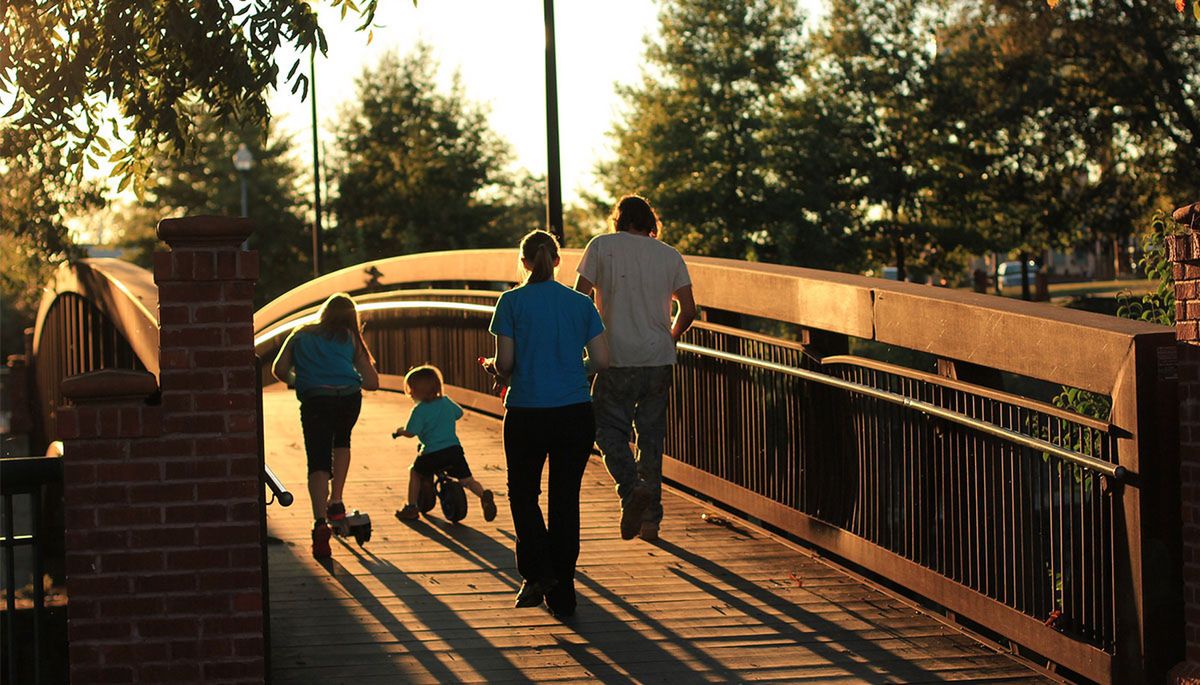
(628, 399)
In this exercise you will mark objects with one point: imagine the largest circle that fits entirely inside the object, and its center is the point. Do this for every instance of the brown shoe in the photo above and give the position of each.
(649, 531)
(488, 501)
(408, 513)
(631, 513)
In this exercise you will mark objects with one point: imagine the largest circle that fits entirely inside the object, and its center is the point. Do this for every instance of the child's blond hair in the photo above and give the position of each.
(424, 376)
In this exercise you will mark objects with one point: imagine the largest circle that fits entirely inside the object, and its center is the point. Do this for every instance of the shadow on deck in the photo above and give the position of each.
(431, 602)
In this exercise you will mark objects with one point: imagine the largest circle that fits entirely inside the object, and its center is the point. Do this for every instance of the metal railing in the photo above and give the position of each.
(1018, 515)
(34, 630)
(1015, 504)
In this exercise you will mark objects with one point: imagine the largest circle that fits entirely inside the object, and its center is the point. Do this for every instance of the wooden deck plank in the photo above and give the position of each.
(431, 602)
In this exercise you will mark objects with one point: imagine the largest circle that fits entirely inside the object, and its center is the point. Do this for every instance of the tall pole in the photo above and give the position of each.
(245, 201)
(316, 227)
(554, 209)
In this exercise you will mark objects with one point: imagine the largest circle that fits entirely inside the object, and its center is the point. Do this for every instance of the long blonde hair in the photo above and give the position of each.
(338, 320)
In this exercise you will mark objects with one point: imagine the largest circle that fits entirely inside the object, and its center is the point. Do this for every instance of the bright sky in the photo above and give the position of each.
(499, 49)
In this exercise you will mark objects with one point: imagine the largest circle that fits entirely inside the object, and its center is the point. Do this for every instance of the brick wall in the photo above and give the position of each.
(1185, 253)
(164, 565)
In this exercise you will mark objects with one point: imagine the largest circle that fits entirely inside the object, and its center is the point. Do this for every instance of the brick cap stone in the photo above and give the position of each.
(1188, 215)
(1184, 248)
(110, 384)
(205, 231)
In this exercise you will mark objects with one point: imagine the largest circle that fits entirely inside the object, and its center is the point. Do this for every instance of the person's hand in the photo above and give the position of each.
(397, 433)
(488, 364)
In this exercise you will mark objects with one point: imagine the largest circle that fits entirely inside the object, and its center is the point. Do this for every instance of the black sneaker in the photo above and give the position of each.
(631, 512)
(488, 503)
(532, 593)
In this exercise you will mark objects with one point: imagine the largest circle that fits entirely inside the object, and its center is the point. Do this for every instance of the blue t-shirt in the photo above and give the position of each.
(549, 324)
(320, 362)
(433, 424)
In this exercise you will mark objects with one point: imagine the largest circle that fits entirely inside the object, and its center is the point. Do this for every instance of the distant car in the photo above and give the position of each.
(891, 273)
(1009, 274)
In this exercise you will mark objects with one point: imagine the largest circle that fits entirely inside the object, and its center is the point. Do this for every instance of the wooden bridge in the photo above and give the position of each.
(716, 600)
(825, 422)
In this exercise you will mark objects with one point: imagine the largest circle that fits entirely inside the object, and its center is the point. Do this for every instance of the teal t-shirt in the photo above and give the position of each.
(320, 362)
(433, 424)
(549, 324)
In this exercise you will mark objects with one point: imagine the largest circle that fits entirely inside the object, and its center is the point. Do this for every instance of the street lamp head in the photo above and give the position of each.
(242, 159)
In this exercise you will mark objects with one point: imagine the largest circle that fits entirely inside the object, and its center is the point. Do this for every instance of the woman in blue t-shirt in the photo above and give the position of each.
(542, 328)
(329, 364)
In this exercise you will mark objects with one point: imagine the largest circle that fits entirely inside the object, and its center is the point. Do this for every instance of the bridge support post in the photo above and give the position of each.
(164, 541)
(1184, 252)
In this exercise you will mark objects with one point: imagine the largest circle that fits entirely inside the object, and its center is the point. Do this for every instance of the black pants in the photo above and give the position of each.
(327, 421)
(548, 549)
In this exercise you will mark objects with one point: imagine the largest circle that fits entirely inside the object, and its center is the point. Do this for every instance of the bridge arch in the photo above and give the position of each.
(95, 314)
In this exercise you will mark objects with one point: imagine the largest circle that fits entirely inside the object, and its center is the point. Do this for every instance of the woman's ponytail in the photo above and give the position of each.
(539, 250)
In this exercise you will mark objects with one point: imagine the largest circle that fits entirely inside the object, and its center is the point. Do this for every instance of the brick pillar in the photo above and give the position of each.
(1184, 252)
(164, 548)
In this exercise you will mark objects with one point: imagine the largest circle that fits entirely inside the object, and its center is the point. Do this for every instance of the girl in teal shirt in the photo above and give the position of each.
(329, 364)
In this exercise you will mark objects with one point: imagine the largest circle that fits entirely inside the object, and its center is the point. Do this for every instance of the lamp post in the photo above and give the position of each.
(554, 208)
(316, 227)
(243, 161)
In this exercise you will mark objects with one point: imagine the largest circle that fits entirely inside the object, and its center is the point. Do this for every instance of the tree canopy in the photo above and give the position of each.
(74, 75)
(417, 169)
(204, 181)
(695, 137)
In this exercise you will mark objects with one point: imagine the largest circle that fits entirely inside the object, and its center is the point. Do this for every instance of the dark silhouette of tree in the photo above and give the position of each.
(71, 73)
(418, 170)
(695, 139)
(204, 181)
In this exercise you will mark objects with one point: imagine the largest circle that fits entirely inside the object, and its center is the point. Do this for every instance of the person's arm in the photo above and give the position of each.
(585, 281)
(364, 363)
(597, 355)
(505, 357)
(686, 314)
(412, 427)
(281, 369)
(583, 285)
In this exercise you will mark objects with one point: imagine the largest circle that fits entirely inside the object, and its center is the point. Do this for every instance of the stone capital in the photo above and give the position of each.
(110, 385)
(205, 231)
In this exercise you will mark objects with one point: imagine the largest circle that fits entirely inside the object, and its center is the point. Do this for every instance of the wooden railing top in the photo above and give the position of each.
(124, 291)
(1072, 347)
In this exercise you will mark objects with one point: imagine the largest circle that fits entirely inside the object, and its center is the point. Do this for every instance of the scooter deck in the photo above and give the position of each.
(356, 524)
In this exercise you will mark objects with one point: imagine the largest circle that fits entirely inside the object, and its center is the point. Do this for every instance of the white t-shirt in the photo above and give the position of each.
(635, 276)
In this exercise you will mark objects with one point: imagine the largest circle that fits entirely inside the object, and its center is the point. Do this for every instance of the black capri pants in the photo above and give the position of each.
(327, 421)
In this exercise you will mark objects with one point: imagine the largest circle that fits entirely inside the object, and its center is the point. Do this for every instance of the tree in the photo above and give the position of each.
(34, 240)
(204, 181)
(418, 170)
(877, 67)
(695, 139)
(72, 73)
(1062, 151)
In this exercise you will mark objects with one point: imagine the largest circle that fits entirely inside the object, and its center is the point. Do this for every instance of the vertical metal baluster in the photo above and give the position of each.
(10, 587)
(36, 499)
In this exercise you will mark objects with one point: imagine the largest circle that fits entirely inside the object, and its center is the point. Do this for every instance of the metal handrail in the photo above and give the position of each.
(277, 331)
(278, 491)
(1114, 471)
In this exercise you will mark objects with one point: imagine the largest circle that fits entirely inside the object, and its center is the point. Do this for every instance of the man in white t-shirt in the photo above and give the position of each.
(636, 278)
